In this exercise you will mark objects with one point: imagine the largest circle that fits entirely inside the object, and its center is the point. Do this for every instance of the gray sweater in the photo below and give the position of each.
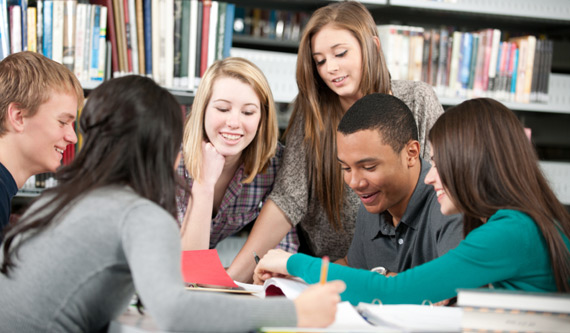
(82, 272)
(291, 189)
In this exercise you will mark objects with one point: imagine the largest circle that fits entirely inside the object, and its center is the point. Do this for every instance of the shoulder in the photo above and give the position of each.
(512, 217)
(414, 93)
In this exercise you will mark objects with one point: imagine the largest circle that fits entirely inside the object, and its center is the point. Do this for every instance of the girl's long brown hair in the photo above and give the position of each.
(319, 107)
(487, 163)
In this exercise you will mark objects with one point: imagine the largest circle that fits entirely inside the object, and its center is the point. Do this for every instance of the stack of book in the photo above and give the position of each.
(514, 311)
(470, 64)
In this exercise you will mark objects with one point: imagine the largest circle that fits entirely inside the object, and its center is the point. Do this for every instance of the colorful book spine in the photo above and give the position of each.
(95, 43)
(69, 13)
(229, 32)
(147, 10)
(102, 46)
(48, 17)
(32, 43)
(15, 28)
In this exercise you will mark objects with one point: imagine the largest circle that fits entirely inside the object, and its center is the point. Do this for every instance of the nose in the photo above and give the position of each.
(232, 119)
(332, 65)
(355, 181)
(70, 135)
(430, 177)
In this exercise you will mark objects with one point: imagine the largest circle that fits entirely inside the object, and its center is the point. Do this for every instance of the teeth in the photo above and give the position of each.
(339, 79)
(231, 136)
(59, 150)
(440, 192)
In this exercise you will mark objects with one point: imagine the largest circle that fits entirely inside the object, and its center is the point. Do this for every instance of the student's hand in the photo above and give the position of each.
(316, 306)
(212, 164)
(274, 263)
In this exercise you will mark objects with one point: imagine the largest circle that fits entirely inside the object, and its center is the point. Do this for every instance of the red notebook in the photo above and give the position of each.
(203, 267)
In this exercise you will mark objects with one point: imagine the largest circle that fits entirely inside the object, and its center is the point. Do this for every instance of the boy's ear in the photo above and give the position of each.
(412, 152)
(15, 117)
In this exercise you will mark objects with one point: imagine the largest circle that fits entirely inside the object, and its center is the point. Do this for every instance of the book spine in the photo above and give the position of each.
(15, 29)
(48, 16)
(177, 40)
(102, 46)
(69, 14)
(40, 26)
(95, 43)
(229, 31)
(32, 43)
(80, 39)
(193, 44)
(147, 9)
(133, 35)
(24, 23)
(140, 36)
(87, 52)
(206, 5)
(57, 31)
(127, 30)
(184, 44)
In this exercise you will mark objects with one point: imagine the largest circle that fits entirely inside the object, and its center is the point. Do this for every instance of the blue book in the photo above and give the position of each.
(465, 59)
(229, 32)
(95, 42)
(147, 8)
(24, 6)
(48, 22)
(514, 79)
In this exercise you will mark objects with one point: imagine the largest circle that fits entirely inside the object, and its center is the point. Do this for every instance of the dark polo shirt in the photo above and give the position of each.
(8, 190)
(423, 233)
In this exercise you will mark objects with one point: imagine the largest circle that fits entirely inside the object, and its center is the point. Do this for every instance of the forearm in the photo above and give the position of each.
(195, 231)
(269, 229)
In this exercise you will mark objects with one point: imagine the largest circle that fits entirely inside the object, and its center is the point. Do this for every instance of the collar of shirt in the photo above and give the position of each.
(414, 208)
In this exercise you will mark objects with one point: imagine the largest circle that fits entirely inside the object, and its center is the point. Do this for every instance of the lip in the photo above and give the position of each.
(341, 82)
(228, 140)
(368, 198)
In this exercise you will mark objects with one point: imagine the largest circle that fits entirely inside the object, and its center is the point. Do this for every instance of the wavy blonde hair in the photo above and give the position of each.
(257, 154)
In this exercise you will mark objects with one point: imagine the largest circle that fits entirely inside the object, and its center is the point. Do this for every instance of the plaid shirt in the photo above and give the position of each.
(241, 203)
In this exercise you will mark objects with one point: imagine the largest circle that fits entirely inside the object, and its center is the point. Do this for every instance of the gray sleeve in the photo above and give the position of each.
(291, 190)
(355, 256)
(152, 247)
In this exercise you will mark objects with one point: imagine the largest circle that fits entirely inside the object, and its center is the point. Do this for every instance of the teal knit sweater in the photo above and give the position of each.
(508, 252)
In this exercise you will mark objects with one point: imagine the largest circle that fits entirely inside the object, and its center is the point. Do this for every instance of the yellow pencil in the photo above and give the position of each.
(324, 269)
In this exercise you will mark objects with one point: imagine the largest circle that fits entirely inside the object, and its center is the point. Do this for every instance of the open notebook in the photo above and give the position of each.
(366, 317)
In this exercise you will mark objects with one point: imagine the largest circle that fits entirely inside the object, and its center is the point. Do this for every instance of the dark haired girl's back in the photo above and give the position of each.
(106, 231)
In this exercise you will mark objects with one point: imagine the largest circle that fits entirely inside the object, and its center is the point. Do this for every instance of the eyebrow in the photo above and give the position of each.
(332, 47)
(226, 101)
(67, 115)
(362, 161)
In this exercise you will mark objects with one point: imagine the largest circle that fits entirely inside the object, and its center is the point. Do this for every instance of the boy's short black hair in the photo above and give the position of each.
(385, 113)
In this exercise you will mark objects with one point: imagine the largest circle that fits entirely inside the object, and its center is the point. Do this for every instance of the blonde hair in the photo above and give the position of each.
(319, 106)
(257, 154)
(28, 79)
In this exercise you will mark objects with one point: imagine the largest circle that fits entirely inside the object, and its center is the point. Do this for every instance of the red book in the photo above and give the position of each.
(112, 33)
(205, 33)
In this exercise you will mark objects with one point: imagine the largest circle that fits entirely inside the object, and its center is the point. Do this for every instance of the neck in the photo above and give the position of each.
(12, 160)
(231, 165)
(398, 210)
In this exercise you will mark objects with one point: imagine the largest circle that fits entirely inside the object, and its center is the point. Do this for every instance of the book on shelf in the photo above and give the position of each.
(515, 311)
(468, 64)
(32, 35)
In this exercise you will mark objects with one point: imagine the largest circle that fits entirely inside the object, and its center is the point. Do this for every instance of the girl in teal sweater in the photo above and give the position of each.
(516, 230)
